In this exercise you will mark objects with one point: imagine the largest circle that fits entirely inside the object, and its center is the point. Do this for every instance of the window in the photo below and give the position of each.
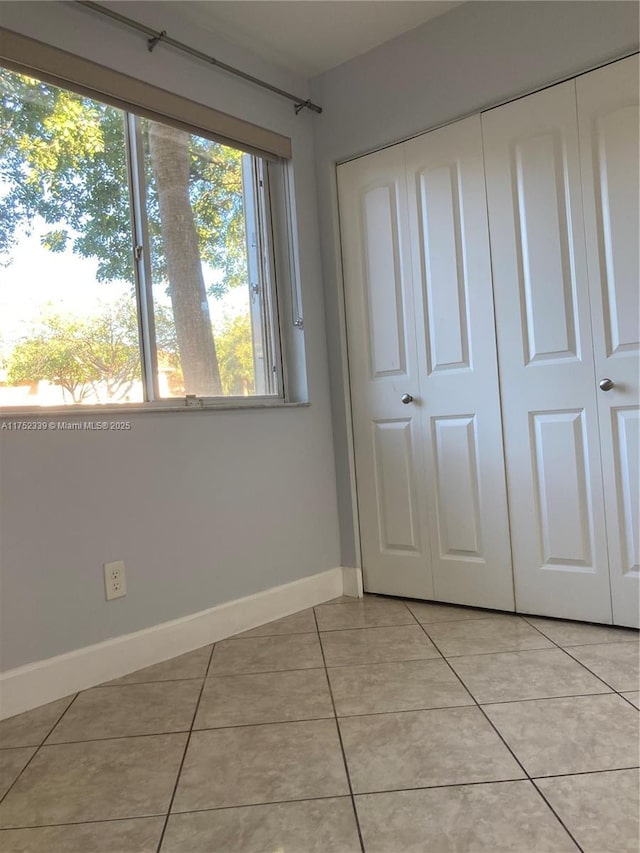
(136, 259)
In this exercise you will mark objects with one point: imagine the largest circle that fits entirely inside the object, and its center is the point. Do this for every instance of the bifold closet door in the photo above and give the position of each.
(383, 367)
(459, 399)
(545, 349)
(422, 360)
(609, 147)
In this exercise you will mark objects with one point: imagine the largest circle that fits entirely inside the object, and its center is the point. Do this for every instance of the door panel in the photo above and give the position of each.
(563, 508)
(617, 164)
(459, 399)
(383, 366)
(385, 332)
(398, 517)
(609, 144)
(445, 287)
(457, 487)
(549, 411)
(627, 465)
(545, 275)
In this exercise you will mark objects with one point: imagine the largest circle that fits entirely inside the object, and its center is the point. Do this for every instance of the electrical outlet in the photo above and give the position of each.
(115, 582)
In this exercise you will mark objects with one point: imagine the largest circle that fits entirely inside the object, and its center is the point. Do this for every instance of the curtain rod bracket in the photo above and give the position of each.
(307, 105)
(155, 40)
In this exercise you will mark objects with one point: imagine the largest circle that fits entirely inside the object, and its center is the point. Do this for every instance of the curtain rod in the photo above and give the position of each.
(155, 38)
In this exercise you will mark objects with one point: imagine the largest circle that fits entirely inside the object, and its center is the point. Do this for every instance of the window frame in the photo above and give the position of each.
(280, 287)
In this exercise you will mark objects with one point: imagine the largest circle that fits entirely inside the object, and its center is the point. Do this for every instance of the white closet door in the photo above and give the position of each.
(609, 146)
(459, 398)
(545, 351)
(389, 450)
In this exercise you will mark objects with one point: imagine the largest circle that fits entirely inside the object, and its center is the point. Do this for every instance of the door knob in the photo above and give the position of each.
(407, 398)
(606, 384)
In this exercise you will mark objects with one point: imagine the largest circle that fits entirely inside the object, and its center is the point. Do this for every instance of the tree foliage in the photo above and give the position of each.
(235, 355)
(97, 358)
(63, 158)
(50, 355)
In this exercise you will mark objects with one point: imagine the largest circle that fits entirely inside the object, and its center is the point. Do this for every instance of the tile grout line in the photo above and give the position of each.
(107, 686)
(315, 799)
(425, 626)
(342, 749)
(194, 730)
(583, 665)
(322, 719)
(585, 772)
(470, 704)
(515, 757)
(275, 671)
(309, 668)
(262, 672)
(81, 822)
(237, 639)
(626, 699)
(364, 628)
(163, 816)
(121, 737)
(37, 749)
(543, 698)
(184, 754)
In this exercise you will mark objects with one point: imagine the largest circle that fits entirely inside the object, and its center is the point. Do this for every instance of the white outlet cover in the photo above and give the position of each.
(115, 582)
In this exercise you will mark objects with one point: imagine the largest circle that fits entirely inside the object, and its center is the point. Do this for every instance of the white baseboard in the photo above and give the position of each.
(37, 683)
(352, 582)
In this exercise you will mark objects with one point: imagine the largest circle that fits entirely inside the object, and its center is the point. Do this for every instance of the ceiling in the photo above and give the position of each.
(310, 36)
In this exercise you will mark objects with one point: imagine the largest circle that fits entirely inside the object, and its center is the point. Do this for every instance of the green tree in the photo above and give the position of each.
(94, 357)
(51, 353)
(62, 158)
(235, 353)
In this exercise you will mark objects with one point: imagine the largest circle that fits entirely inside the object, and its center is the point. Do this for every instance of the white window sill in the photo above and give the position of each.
(96, 412)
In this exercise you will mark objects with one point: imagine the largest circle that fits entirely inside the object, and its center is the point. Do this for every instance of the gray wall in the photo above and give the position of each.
(203, 507)
(476, 55)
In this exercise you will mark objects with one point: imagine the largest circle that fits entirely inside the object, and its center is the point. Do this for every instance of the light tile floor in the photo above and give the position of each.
(376, 725)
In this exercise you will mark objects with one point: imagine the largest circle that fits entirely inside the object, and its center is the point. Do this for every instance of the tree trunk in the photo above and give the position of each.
(169, 150)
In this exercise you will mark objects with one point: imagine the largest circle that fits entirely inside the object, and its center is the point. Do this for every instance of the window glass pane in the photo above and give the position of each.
(68, 322)
(199, 209)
